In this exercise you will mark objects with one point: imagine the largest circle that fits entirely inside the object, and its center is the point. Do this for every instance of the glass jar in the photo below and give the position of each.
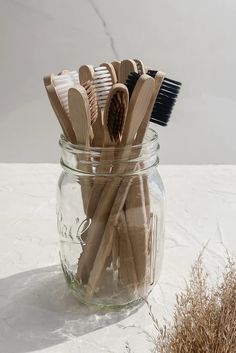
(110, 219)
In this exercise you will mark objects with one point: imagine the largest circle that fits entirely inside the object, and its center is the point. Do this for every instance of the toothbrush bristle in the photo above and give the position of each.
(93, 105)
(139, 66)
(131, 82)
(103, 84)
(62, 83)
(74, 76)
(165, 100)
(116, 116)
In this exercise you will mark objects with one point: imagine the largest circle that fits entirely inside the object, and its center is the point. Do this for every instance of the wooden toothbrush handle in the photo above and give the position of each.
(127, 271)
(119, 194)
(95, 195)
(99, 183)
(138, 225)
(94, 233)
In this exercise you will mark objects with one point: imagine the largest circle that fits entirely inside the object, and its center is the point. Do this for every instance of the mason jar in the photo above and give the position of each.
(110, 220)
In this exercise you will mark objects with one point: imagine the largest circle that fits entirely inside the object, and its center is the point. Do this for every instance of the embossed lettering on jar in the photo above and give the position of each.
(110, 218)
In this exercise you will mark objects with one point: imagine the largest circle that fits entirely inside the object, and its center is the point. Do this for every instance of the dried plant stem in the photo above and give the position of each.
(204, 316)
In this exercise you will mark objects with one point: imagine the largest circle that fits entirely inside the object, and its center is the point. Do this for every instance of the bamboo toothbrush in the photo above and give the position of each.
(93, 106)
(116, 65)
(93, 79)
(102, 77)
(86, 73)
(61, 114)
(114, 120)
(121, 195)
(126, 67)
(138, 222)
(127, 272)
(92, 98)
(160, 108)
(62, 83)
(56, 97)
(112, 116)
(165, 99)
(79, 113)
(143, 188)
(140, 66)
(138, 106)
(75, 115)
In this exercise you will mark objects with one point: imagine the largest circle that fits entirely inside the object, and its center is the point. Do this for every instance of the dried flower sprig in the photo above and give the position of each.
(204, 316)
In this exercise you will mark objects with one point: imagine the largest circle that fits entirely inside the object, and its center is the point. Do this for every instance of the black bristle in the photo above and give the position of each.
(152, 73)
(131, 82)
(165, 99)
(115, 122)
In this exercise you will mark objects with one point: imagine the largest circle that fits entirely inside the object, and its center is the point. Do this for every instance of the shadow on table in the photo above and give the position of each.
(38, 311)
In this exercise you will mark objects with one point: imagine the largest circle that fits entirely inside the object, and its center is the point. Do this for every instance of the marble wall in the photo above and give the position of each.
(193, 41)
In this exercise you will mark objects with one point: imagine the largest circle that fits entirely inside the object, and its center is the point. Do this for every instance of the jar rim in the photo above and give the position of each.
(69, 146)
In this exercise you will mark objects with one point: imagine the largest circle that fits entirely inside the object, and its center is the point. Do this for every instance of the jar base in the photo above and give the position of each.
(79, 293)
(110, 299)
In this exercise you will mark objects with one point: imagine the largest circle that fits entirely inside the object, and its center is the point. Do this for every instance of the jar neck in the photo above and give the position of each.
(110, 160)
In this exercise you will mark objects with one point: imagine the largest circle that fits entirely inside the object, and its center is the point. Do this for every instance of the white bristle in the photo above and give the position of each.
(103, 84)
(74, 76)
(62, 83)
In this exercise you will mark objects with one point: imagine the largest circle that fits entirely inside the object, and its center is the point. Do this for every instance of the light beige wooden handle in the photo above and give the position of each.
(116, 65)
(47, 80)
(79, 114)
(140, 66)
(138, 227)
(144, 125)
(126, 67)
(86, 73)
(107, 230)
(80, 119)
(127, 271)
(138, 107)
(61, 115)
(111, 71)
(95, 231)
(119, 89)
(138, 203)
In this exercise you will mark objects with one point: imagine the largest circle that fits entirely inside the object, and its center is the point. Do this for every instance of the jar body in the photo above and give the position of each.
(111, 226)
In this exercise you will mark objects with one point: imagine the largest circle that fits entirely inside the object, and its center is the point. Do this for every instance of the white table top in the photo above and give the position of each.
(38, 314)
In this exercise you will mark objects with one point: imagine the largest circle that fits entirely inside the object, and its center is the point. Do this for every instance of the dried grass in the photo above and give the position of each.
(204, 316)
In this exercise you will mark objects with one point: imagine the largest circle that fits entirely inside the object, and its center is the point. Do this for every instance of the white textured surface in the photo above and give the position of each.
(37, 314)
(192, 41)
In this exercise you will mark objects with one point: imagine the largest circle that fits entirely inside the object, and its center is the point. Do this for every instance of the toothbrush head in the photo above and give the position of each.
(140, 66)
(131, 82)
(92, 97)
(116, 111)
(103, 83)
(165, 100)
(62, 84)
(74, 77)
